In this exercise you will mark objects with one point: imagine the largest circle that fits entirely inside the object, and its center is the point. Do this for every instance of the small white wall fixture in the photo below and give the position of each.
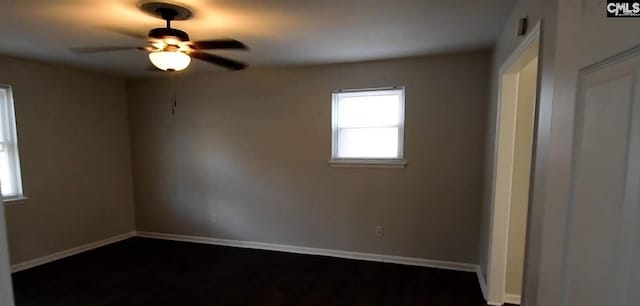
(503, 164)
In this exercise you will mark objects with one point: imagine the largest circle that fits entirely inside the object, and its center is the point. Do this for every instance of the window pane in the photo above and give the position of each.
(369, 111)
(368, 143)
(3, 115)
(9, 165)
(6, 177)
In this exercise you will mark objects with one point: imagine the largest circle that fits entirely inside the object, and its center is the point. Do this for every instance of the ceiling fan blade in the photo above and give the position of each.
(126, 32)
(86, 50)
(219, 44)
(217, 60)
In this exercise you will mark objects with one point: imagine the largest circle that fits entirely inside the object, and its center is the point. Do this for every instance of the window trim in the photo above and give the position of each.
(398, 162)
(14, 200)
(12, 128)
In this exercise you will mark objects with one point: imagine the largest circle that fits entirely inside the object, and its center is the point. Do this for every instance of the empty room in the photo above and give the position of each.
(339, 152)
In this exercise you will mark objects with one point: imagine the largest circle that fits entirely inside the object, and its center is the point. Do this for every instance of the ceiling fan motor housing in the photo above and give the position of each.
(167, 33)
(165, 10)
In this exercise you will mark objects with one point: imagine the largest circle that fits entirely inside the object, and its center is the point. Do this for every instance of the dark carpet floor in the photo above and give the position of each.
(141, 271)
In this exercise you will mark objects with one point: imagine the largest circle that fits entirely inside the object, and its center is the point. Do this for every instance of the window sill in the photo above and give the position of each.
(367, 163)
(14, 200)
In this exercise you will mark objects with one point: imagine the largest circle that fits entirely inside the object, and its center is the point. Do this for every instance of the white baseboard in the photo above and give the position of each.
(457, 266)
(482, 282)
(66, 253)
(483, 287)
(512, 299)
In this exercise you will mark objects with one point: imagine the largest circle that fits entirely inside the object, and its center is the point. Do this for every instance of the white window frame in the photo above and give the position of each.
(336, 161)
(9, 122)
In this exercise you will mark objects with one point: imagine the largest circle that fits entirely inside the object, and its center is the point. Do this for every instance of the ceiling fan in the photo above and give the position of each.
(170, 49)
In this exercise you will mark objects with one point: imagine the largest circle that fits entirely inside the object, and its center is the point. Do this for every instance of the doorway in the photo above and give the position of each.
(512, 172)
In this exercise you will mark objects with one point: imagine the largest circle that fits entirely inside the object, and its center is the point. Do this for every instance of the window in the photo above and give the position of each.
(10, 180)
(368, 126)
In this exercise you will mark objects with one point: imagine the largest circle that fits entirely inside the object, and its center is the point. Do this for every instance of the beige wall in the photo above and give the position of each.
(74, 150)
(252, 147)
(521, 175)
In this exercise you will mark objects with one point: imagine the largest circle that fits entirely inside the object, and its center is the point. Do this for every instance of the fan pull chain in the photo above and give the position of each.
(173, 94)
(175, 103)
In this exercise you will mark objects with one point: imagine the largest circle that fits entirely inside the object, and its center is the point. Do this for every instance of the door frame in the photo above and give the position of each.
(6, 288)
(499, 229)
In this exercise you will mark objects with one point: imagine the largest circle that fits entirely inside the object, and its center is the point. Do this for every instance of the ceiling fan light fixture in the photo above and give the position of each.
(170, 60)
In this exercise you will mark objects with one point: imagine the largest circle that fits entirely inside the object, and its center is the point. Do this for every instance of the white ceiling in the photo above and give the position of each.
(279, 32)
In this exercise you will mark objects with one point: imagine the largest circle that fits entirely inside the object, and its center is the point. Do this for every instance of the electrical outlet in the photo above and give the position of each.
(214, 218)
(379, 231)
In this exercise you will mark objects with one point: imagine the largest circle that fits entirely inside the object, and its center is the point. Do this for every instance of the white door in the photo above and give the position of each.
(591, 241)
(606, 173)
(6, 291)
